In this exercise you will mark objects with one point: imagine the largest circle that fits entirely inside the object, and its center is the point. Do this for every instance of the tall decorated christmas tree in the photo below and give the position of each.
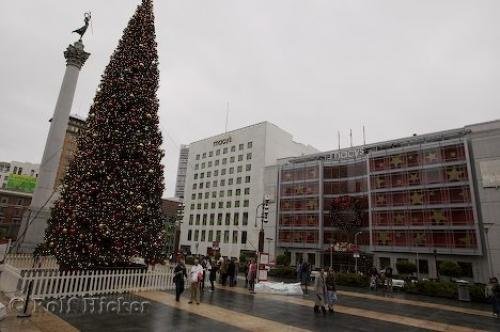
(109, 207)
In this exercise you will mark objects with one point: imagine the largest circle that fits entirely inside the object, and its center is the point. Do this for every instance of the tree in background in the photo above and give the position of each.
(109, 209)
(406, 268)
(450, 269)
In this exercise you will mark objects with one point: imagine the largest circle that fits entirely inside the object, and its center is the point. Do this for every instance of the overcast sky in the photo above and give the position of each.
(311, 67)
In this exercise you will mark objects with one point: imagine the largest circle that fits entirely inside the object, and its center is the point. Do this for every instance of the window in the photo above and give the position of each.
(210, 235)
(237, 204)
(423, 266)
(216, 163)
(229, 193)
(236, 219)
(226, 236)
(227, 221)
(205, 206)
(238, 180)
(217, 236)
(209, 164)
(228, 204)
(191, 218)
(241, 147)
(216, 172)
(245, 203)
(209, 174)
(202, 239)
(249, 156)
(207, 185)
(214, 194)
(193, 196)
(192, 206)
(384, 262)
(197, 157)
(247, 179)
(198, 206)
(200, 195)
(233, 148)
(204, 155)
(217, 152)
(235, 236)
(240, 157)
(231, 170)
(224, 161)
(249, 145)
(224, 151)
(204, 220)
(244, 221)
(194, 186)
(212, 205)
(239, 170)
(207, 195)
(231, 160)
(201, 185)
(219, 219)
(196, 167)
(221, 205)
(248, 167)
(203, 165)
(222, 182)
(212, 220)
(198, 217)
(247, 191)
(238, 192)
(223, 171)
(466, 268)
(195, 176)
(214, 183)
(210, 153)
(196, 234)
(243, 237)
(189, 234)
(221, 193)
(230, 182)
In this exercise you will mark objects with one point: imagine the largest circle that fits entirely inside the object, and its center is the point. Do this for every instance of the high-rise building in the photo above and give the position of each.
(75, 126)
(426, 199)
(225, 185)
(181, 171)
(23, 171)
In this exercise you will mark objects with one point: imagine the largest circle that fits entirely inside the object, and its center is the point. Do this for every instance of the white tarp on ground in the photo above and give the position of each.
(279, 288)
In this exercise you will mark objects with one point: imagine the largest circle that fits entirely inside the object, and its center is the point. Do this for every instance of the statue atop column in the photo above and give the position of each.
(81, 31)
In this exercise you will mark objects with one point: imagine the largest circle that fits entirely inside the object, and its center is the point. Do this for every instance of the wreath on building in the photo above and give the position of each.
(346, 212)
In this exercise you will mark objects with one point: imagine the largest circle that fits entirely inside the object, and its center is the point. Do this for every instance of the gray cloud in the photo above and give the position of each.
(311, 67)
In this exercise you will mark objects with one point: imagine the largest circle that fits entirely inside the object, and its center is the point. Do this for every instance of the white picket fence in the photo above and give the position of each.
(50, 282)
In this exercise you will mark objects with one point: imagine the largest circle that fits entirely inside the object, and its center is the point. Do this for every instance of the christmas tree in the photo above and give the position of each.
(109, 208)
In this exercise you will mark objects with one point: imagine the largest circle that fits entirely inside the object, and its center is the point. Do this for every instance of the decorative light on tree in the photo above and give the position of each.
(110, 204)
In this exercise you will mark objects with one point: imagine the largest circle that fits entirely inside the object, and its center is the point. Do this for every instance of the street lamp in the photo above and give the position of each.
(269, 245)
(356, 254)
(487, 226)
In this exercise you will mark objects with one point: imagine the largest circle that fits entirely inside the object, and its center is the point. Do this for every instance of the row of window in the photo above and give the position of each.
(229, 193)
(203, 236)
(221, 182)
(420, 177)
(301, 173)
(209, 219)
(220, 205)
(222, 161)
(417, 158)
(224, 151)
(421, 217)
(449, 195)
(230, 170)
(427, 238)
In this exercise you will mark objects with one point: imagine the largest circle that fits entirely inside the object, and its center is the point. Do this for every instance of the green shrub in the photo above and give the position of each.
(443, 289)
(352, 279)
(450, 269)
(477, 293)
(406, 268)
(282, 272)
(282, 260)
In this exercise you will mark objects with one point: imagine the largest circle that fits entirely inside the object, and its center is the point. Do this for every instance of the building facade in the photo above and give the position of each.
(75, 126)
(225, 185)
(21, 169)
(180, 183)
(424, 199)
(13, 205)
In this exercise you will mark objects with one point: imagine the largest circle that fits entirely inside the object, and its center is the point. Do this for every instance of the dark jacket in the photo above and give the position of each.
(330, 282)
(179, 274)
(231, 268)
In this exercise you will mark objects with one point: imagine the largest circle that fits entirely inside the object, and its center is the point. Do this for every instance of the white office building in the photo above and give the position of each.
(225, 184)
(18, 168)
(180, 183)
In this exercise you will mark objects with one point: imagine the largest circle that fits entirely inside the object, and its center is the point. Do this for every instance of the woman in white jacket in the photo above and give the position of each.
(196, 277)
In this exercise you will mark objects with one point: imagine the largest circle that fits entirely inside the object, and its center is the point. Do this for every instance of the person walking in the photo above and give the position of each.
(388, 278)
(230, 272)
(196, 277)
(213, 275)
(305, 273)
(331, 290)
(299, 271)
(320, 291)
(246, 273)
(493, 294)
(223, 272)
(204, 266)
(252, 275)
(179, 275)
(236, 271)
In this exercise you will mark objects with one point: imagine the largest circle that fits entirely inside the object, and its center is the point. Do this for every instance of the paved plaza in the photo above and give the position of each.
(233, 309)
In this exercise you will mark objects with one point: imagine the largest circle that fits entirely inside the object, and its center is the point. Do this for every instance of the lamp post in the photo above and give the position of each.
(356, 254)
(269, 239)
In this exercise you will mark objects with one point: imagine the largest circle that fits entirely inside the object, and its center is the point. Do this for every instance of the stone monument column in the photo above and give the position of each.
(33, 226)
